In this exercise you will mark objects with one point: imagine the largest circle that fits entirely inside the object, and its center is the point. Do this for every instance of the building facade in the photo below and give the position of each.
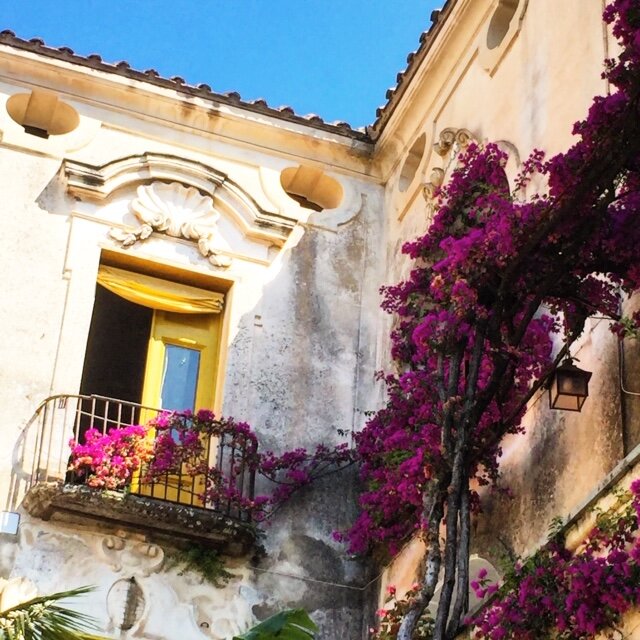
(169, 247)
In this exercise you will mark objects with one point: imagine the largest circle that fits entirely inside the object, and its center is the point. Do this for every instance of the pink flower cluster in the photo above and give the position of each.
(220, 452)
(108, 461)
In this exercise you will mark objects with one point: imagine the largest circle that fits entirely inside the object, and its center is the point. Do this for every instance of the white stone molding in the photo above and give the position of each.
(177, 211)
(98, 183)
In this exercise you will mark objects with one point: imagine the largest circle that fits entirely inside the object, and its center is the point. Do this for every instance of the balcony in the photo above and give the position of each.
(171, 508)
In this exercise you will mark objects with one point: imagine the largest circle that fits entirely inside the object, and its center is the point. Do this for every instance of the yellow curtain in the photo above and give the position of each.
(159, 294)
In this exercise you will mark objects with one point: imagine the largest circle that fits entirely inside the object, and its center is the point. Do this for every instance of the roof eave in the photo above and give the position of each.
(404, 78)
(203, 91)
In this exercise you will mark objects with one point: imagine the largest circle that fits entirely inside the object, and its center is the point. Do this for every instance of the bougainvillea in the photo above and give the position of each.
(109, 460)
(569, 596)
(554, 593)
(501, 286)
(177, 444)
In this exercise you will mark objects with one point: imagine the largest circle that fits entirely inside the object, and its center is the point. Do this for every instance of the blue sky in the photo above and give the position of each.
(335, 58)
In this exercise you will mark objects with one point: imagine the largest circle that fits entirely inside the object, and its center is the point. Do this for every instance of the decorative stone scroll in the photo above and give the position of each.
(430, 189)
(177, 211)
(450, 143)
(130, 556)
(451, 139)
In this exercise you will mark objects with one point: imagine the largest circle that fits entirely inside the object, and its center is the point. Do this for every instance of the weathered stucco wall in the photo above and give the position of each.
(303, 334)
(525, 94)
(299, 344)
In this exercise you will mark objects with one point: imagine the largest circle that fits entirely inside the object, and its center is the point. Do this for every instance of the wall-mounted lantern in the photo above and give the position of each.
(569, 387)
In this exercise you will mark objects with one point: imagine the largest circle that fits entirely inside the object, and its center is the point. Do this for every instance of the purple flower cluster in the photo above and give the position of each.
(572, 596)
(501, 275)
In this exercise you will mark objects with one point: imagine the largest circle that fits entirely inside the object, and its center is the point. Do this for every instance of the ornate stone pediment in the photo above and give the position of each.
(177, 211)
(99, 183)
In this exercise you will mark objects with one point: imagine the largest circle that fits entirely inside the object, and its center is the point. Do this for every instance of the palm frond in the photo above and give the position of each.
(42, 618)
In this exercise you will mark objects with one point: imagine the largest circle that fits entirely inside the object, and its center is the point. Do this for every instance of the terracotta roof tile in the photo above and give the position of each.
(233, 98)
(151, 76)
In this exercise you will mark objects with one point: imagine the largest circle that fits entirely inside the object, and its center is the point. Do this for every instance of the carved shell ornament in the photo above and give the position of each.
(177, 211)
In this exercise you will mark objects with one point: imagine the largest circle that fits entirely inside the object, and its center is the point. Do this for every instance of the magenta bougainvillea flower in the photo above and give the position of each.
(187, 443)
(108, 461)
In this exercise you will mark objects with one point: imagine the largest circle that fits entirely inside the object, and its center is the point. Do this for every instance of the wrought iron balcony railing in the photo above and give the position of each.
(60, 418)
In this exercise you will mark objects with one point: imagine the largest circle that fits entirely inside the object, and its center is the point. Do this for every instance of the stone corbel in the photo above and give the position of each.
(430, 189)
(452, 139)
(451, 142)
(110, 548)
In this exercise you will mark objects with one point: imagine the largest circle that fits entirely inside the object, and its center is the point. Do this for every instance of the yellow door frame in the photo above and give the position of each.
(200, 332)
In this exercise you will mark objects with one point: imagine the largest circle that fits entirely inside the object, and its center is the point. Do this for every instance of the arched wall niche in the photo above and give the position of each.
(98, 183)
(412, 162)
(514, 162)
(45, 122)
(500, 31)
(311, 188)
(405, 570)
(500, 22)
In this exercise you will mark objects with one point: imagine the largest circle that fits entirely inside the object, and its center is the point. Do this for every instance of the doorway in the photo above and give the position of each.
(155, 357)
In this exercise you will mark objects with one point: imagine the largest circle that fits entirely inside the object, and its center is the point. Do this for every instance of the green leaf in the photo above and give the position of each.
(292, 624)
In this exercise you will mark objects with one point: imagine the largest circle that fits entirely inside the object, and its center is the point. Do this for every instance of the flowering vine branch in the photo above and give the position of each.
(559, 594)
(554, 593)
(497, 282)
(219, 454)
